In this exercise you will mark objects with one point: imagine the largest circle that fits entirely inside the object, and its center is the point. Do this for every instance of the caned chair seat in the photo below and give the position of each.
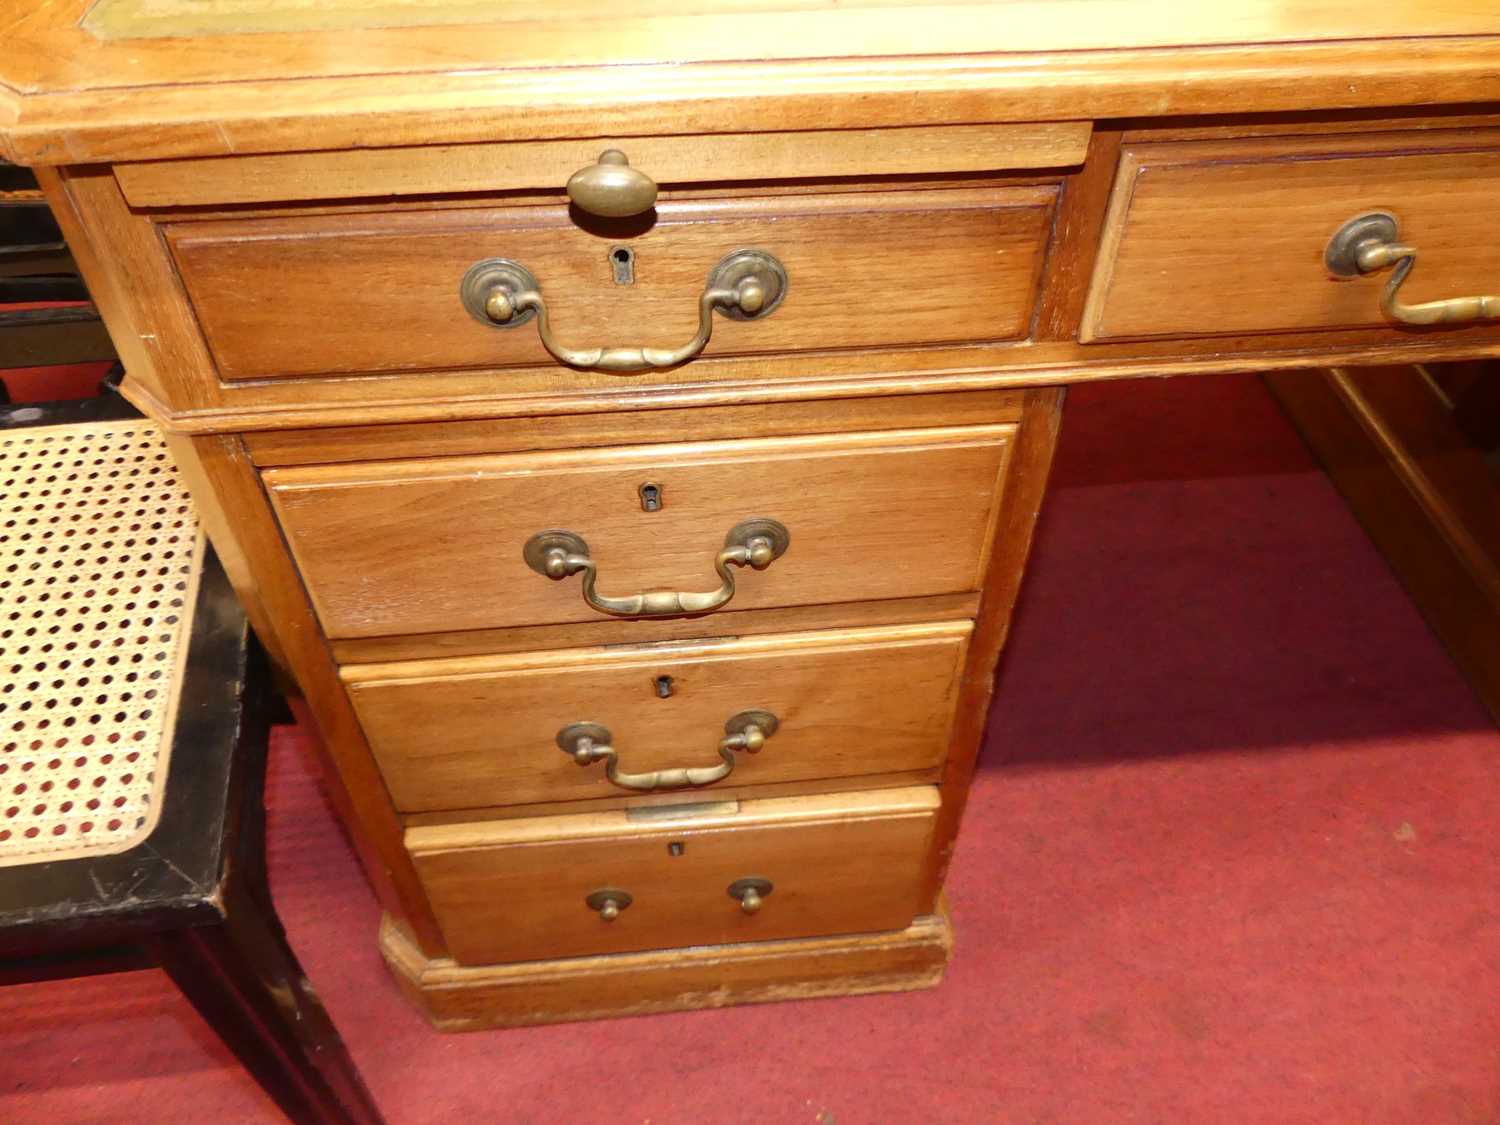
(102, 556)
(134, 719)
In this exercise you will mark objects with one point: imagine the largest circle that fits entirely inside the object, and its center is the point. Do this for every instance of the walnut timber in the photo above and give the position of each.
(379, 270)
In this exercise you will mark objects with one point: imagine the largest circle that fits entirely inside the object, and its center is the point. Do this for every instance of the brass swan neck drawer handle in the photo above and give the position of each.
(1370, 242)
(611, 188)
(746, 285)
(751, 892)
(587, 743)
(754, 543)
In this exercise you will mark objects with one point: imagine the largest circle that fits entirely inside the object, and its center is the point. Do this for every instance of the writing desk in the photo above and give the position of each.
(627, 422)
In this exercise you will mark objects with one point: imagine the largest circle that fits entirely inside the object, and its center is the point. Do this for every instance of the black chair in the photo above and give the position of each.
(192, 897)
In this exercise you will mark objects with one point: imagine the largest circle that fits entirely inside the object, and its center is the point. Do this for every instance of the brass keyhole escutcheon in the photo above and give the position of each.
(622, 264)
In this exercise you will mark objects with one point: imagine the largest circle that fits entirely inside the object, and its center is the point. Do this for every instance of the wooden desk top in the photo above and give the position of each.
(100, 80)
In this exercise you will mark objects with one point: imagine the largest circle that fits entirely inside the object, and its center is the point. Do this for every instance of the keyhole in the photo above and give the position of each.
(622, 261)
(663, 687)
(676, 847)
(650, 496)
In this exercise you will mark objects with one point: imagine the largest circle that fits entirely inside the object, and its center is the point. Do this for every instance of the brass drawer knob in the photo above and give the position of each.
(745, 285)
(1370, 242)
(611, 188)
(752, 893)
(754, 543)
(609, 902)
(587, 743)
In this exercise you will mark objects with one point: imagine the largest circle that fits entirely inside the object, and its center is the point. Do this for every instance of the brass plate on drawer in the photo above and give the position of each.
(697, 809)
(518, 890)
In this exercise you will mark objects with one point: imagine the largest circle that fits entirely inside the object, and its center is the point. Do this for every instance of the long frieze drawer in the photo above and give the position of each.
(1233, 237)
(565, 886)
(710, 717)
(380, 292)
(415, 547)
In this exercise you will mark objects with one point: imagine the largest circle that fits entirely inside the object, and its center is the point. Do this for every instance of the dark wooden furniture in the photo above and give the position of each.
(36, 268)
(192, 898)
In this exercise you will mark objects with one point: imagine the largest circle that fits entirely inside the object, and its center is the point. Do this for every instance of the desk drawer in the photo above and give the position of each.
(521, 890)
(442, 545)
(380, 293)
(457, 734)
(1212, 238)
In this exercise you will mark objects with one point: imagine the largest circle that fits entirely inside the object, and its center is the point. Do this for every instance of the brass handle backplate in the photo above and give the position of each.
(751, 892)
(745, 285)
(611, 188)
(587, 743)
(754, 542)
(1370, 242)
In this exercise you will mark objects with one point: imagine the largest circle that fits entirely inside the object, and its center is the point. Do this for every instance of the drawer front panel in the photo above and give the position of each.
(846, 703)
(379, 293)
(519, 890)
(434, 546)
(1228, 237)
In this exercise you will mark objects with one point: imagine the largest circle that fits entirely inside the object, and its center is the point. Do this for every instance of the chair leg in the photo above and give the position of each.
(245, 981)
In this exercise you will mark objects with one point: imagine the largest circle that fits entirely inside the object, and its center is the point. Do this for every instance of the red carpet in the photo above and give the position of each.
(1231, 857)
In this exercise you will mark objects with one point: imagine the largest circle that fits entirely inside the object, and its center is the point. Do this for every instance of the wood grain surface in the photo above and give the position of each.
(1221, 238)
(432, 545)
(704, 423)
(352, 779)
(68, 95)
(515, 890)
(469, 998)
(624, 630)
(367, 293)
(456, 734)
(1010, 546)
(720, 157)
(174, 377)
